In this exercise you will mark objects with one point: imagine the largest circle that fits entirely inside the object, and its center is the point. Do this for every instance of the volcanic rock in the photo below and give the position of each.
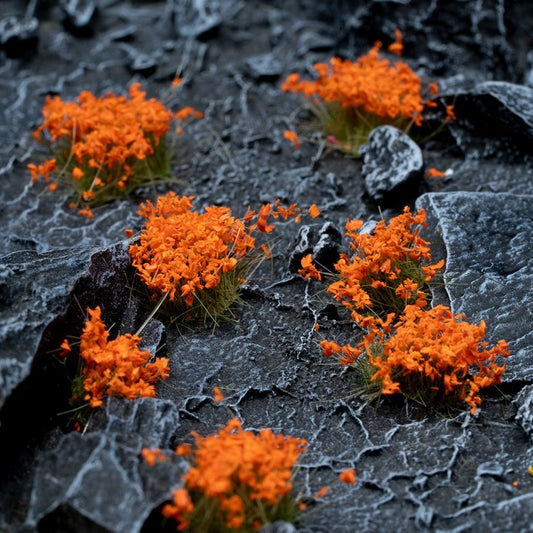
(392, 166)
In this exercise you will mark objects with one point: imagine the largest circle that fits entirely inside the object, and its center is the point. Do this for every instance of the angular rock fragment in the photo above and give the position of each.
(202, 19)
(18, 36)
(32, 294)
(524, 414)
(102, 476)
(79, 16)
(489, 265)
(264, 67)
(392, 166)
(324, 244)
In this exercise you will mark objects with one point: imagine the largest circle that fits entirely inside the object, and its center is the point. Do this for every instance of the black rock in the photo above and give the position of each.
(489, 269)
(264, 67)
(393, 166)
(79, 16)
(497, 110)
(524, 415)
(313, 41)
(323, 244)
(18, 36)
(139, 62)
(102, 476)
(202, 20)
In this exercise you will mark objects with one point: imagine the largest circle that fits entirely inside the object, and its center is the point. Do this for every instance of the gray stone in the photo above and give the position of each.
(489, 267)
(202, 19)
(102, 476)
(278, 527)
(392, 166)
(79, 16)
(32, 294)
(524, 414)
(265, 67)
(18, 36)
(323, 243)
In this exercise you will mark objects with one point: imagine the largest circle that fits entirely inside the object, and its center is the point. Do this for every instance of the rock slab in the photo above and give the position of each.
(489, 266)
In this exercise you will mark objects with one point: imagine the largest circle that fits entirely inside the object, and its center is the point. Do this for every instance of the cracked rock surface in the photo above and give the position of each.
(416, 471)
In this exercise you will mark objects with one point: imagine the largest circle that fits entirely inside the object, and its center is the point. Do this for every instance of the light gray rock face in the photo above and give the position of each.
(524, 414)
(392, 166)
(489, 265)
(32, 294)
(102, 476)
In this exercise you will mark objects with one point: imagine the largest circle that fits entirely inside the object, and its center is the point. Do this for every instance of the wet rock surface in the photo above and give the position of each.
(415, 470)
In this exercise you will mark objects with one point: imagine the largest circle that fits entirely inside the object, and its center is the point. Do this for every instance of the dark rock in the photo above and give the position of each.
(314, 41)
(264, 67)
(392, 166)
(18, 36)
(489, 269)
(102, 476)
(31, 296)
(202, 20)
(524, 415)
(490, 468)
(139, 62)
(323, 244)
(79, 16)
(497, 110)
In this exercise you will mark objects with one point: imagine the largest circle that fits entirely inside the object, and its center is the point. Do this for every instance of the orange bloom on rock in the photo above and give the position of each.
(438, 353)
(242, 476)
(347, 476)
(388, 268)
(117, 367)
(112, 142)
(292, 137)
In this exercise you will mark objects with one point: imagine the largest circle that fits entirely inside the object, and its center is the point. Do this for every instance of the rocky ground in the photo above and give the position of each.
(417, 471)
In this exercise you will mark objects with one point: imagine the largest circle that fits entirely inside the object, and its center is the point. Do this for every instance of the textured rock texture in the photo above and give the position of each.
(416, 471)
(392, 166)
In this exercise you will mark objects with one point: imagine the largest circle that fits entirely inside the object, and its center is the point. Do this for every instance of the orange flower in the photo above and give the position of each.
(309, 270)
(65, 346)
(218, 396)
(439, 351)
(233, 467)
(153, 456)
(110, 141)
(347, 476)
(322, 492)
(262, 226)
(450, 115)
(434, 173)
(397, 46)
(292, 137)
(176, 82)
(387, 266)
(371, 83)
(182, 252)
(117, 367)
(314, 211)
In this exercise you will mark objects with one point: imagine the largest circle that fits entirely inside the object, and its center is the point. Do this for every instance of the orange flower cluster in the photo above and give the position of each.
(245, 476)
(182, 252)
(385, 272)
(107, 145)
(117, 367)
(371, 83)
(351, 98)
(439, 351)
(428, 354)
